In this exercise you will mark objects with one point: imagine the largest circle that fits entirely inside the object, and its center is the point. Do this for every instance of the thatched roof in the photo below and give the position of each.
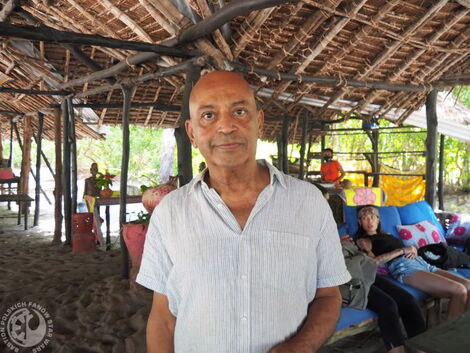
(415, 43)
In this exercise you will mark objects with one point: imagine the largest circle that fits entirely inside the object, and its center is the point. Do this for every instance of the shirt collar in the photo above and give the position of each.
(274, 174)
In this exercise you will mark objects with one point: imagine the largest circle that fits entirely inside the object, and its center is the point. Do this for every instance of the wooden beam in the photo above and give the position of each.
(38, 168)
(33, 92)
(157, 105)
(431, 146)
(51, 35)
(126, 92)
(58, 178)
(184, 150)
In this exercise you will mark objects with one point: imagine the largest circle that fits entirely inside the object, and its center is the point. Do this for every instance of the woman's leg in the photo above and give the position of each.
(460, 279)
(408, 307)
(389, 321)
(440, 286)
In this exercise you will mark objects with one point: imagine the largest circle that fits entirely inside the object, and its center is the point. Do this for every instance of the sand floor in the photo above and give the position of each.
(92, 308)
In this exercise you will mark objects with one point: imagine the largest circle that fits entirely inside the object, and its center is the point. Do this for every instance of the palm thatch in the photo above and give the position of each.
(420, 44)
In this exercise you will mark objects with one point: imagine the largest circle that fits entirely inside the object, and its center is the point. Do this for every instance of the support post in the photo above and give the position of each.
(303, 142)
(285, 144)
(58, 178)
(26, 160)
(38, 168)
(67, 192)
(73, 154)
(126, 92)
(323, 141)
(280, 153)
(185, 169)
(1, 146)
(10, 158)
(431, 144)
(440, 190)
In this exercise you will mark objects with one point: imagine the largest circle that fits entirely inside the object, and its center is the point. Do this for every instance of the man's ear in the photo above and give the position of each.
(190, 132)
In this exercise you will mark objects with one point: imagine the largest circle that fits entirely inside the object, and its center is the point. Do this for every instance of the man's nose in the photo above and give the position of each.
(226, 123)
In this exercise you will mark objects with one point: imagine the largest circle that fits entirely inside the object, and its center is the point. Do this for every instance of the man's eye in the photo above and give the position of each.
(239, 112)
(208, 116)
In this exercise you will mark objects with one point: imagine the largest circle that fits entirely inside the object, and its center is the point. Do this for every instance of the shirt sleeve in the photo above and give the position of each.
(156, 264)
(331, 268)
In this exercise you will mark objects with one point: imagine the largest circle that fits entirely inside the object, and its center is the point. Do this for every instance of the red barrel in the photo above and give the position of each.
(134, 237)
(83, 242)
(82, 222)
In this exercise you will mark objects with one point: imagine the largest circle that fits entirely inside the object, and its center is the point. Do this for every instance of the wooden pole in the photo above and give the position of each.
(73, 154)
(58, 178)
(50, 35)
(375, 158)
(280, 153)
(157, 105)
(127, 94)
(38, 168)
(302, 145)
(33, 92)
(440, 191)
(431, 144)
(26, 160)
(10, 158)
(67, 192)
(185, 168)
(48, 164)
(285, 144)
(1, 146)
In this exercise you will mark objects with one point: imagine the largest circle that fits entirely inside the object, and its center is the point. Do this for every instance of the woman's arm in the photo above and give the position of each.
(366, 245)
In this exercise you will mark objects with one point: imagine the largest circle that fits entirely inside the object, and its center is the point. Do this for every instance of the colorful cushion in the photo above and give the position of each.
(417, 212)
(363, 196)
(459, 229)
(419, 234)
(389, 219)
(6, 173)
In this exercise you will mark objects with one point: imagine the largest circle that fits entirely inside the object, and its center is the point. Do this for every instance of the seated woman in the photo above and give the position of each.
(391, 303)
(407, 267)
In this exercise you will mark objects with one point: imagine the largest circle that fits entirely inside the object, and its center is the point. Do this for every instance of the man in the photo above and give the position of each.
(243, 258)
(331, 170)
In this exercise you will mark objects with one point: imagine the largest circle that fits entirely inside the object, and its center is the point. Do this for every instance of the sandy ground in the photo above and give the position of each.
(92, 308)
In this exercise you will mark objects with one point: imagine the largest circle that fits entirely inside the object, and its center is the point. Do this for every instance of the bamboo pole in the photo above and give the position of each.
(126, 92)
(431, 144)
(38, 168)
(58, 178)
(302, 145)
(285, 144)
(10, 157)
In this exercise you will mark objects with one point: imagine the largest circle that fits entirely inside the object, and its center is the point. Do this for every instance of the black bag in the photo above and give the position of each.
(443, 256)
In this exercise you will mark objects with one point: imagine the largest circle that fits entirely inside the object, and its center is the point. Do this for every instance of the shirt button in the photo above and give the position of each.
(220, 205)
(244, 319)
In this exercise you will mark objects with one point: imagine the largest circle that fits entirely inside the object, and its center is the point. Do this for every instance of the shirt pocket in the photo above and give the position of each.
(282, 259)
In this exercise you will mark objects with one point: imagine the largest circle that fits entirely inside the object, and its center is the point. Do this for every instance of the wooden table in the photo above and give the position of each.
(109, 201)
(449, 337)
(15, 180)
(19, 198)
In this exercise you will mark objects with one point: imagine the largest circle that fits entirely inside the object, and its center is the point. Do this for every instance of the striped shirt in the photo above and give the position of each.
(241, 290)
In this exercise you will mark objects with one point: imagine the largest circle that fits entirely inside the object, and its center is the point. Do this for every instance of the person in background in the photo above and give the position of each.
(90, 183)
(243, 258)
(331, 170)
(407, 267)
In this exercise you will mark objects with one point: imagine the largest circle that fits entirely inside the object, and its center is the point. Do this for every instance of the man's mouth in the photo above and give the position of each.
(228, 146)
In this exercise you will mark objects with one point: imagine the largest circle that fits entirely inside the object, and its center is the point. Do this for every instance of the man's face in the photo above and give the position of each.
(225, 123)
(94, 169)
(327, 153)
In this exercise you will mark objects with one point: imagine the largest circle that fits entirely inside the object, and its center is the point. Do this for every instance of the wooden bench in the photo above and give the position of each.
(20, 199)
(9, 182)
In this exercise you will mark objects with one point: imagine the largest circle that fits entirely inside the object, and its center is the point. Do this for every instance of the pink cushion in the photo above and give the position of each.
(419, 234)
(459, 229)
(6, 173)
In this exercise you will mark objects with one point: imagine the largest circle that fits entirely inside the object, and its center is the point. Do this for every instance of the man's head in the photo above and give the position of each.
(94, 169)
(327, 154)
(225, 122)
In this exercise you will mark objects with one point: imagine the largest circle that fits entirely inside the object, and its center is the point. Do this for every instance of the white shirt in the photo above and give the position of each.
(241, 290)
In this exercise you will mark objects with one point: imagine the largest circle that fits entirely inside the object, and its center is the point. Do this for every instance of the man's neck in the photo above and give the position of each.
(236, 180)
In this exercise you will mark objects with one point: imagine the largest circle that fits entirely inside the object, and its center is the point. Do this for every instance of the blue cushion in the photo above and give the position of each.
(351, 316)
(464, 272)
(389, 219)
(416, 293)
(419, 211)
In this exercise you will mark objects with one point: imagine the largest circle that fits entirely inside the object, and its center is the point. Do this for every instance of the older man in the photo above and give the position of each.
(243, 258)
